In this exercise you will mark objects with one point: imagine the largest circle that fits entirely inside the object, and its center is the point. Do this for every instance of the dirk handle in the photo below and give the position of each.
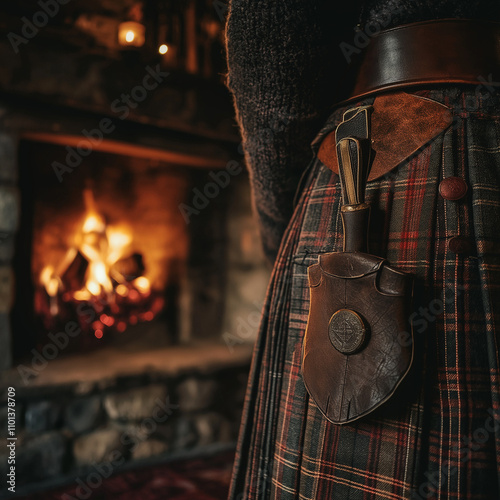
(354, 156)
(356, 220)
(354, 166)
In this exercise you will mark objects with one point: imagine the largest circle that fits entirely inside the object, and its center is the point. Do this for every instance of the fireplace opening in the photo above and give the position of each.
(109, 250)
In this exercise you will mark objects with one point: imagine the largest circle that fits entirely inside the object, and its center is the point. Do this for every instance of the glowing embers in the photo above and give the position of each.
(101, 282)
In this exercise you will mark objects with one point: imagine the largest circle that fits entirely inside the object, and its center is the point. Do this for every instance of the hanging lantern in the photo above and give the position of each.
(131, 34)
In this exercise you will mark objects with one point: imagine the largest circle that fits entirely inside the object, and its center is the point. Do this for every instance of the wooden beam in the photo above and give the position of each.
(127, 149)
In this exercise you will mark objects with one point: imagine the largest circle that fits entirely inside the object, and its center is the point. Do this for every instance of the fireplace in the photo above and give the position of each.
(113, 251)
(133, 280)
(131, 273)
(141, 245)
(108, 246)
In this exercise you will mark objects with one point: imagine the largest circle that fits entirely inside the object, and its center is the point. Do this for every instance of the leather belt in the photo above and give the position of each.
(458, 51)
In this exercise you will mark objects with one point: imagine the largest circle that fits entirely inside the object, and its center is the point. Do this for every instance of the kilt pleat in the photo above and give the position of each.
(439, 436)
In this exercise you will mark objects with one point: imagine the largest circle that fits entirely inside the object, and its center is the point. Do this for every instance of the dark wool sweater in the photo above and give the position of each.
(284, 60)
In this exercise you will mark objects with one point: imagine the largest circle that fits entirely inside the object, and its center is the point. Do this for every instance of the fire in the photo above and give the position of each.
(142, 284)
(101, 270)
(93, 223)
(118, 240)
(50, 281)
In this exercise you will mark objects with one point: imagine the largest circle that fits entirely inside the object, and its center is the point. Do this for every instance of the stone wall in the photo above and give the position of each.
(81, 429)
(9, 220)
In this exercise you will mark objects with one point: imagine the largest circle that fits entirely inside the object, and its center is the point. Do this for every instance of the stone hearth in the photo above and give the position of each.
(82, 413)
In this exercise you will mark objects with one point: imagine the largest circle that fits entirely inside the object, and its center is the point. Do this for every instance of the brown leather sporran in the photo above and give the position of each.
(358, 344)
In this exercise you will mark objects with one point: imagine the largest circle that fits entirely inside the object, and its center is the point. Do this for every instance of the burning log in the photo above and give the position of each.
(73, 278)
(128, 269)
(97, 284)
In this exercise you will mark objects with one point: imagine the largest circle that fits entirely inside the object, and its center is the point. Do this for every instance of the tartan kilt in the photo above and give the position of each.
(439, 437)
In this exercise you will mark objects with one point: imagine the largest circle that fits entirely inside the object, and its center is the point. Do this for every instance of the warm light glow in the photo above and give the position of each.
(102, 246)
(49, 281)
(93, 223)
(148, 316)
(97, 278)
(163, 49)
(52, 287)
(131, 33)
(122, 290)
(46, 274)
(82, 295)
(107, 320)
(142, 284)
(93, 287)
(118, 241)
(100, 273)
(101, 258)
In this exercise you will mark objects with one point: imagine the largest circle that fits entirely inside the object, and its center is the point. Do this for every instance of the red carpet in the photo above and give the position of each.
(204, 478)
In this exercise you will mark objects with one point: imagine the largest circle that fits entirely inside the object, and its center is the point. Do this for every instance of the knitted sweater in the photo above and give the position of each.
(284, 58)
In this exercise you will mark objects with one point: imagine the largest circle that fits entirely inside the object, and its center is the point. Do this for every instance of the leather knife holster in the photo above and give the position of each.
(358, 344)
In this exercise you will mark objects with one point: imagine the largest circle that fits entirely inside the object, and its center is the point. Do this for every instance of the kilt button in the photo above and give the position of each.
(461, 245)
(452, 188)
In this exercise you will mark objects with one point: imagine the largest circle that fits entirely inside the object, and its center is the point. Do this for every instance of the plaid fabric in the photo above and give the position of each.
(439, 437)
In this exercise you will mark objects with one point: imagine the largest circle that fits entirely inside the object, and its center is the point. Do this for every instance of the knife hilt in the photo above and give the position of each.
(355, 220)
(354, 154)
